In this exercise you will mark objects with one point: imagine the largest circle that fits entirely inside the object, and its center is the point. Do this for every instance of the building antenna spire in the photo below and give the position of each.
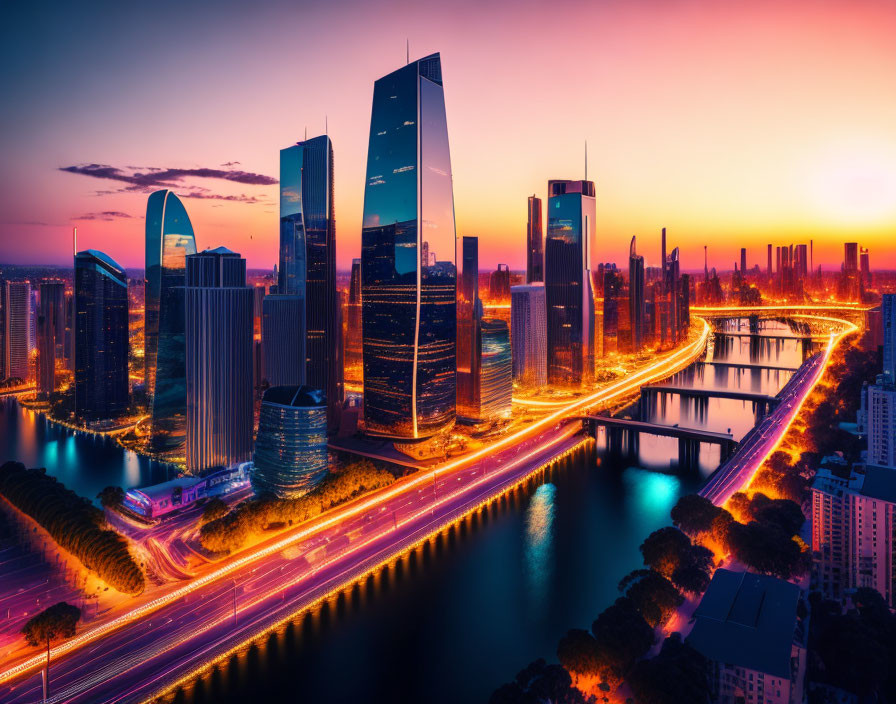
(407, 49)
(306, 133)
(75, 241)
(326, 125)
(586, 159)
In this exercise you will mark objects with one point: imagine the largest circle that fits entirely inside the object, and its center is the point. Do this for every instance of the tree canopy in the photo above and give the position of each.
(53, 623)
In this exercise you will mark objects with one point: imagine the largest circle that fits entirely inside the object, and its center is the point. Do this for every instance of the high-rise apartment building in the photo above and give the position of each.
(569, 256)
(101, 336)
(888, 324)
(528, 327)
(408, 273)
(219, 360)
(308, 261)
(878, 417)
(636, 297)
(169, 240)
(50, 333)
(17, 324)
(534, 242)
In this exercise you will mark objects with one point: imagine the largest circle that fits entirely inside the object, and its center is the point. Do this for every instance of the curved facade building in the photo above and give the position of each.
(291, 445)
(569, 254)
(169, 240)
(408, 272)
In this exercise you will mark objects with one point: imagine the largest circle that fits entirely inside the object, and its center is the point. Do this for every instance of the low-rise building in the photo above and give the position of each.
(152, 502)
(747, 626)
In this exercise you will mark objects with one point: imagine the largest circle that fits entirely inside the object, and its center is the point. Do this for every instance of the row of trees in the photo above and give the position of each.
(74, 523)
(230, 531)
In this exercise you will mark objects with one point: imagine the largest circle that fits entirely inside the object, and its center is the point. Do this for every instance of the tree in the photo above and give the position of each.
(654, 596)
(691, 578)
(111, 496)
(53, 623)
(539, 683)
(214, 509)
(677, 674)
(767, 549)
(783, 514)
(621, 636)
(694, 514)
(577, 652)
(668, 550)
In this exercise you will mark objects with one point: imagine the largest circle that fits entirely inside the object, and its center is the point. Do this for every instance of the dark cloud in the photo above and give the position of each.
(230, 164)
(147, 179)
(107, 215)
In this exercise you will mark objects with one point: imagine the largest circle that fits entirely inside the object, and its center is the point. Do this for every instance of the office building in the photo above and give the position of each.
(534, 242)
(747, 626)
(743, 262)
(17, 324)
(850, 256)
(636, 298)
(291, 447)
(353, 346)
(50, 333)
(219, 360)
(853, 523)
(169, 240)
(408, 273)
(469, 332)
(768, 270)
(101, 337)
(865, 267)
(569, 254)
(496, 375)
(308, 261)
(529, 344)
(282, 315)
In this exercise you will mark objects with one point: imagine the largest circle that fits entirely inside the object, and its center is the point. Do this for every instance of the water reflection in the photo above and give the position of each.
(651, 494)
(539, 542)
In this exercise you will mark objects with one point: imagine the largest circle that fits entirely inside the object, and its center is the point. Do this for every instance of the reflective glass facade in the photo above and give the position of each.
(569, 249)
(408, 273)
(50, 333)
(636, 298)
(308, 261)
(282, 315)
(534, 242)
(469, 315)
(529, 329)
(497, 370)
(291, 447)
(101, 336)
(169, 240)
(219, 309)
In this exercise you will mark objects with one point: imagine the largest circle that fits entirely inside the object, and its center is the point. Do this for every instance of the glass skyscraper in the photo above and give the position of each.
(291, 447)
(218, 309)
(496, 382)
(408, 273)
(101, 336)
(534, 242)
(169, 240)
(282, 315)
(469, 317)
(636, 298)
(569, 254)
(529, 330)
(50, 333)
(17, 324)
(308, 262)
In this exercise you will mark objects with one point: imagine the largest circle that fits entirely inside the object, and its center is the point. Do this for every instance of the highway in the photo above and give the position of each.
(163, 639)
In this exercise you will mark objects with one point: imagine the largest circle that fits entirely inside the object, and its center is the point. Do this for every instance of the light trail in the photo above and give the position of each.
(660, 369)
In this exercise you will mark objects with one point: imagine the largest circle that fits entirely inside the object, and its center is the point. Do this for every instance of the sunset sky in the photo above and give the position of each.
(730, 123)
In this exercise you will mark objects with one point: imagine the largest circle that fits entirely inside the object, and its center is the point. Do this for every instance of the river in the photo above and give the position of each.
(452, 622)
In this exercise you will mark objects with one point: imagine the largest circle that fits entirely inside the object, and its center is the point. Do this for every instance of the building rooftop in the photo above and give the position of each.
(163, 490)
(295, 396)
(747, 620)
(880, 483)
(103, 257)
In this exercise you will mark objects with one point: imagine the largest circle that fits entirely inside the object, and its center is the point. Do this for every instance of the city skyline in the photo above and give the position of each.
(728, 156)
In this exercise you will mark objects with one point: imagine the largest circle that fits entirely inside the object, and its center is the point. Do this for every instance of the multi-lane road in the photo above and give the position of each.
(146, 649)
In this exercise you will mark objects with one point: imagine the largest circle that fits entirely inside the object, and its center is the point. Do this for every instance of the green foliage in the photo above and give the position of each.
(678, 674)
(111, 496)
(55, 622)
(654, 596)
(74, 523)
(231, 531)
(577, 652)
(622, 637)
(214, 509)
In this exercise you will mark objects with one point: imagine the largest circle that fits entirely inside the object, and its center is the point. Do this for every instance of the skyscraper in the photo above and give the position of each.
(850, 256)
(499, 284)
(308, 261)
(353, 346)
(18, 322)
(768, 271)
(743, 262)
(469, 331)
(496, 381)
(219, 360)
(888, 321)
(408, 274)
(50, 333)
(636, 298)
(101, 336)
(865, 266)
(282, 316)
(528, 326)
(291, 447)
(169, 240)
(534, 242)
(568, 256)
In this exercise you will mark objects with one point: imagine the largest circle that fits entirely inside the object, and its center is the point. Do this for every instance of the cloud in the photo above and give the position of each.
(230, 164)
(107, 215)
(149, 178)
